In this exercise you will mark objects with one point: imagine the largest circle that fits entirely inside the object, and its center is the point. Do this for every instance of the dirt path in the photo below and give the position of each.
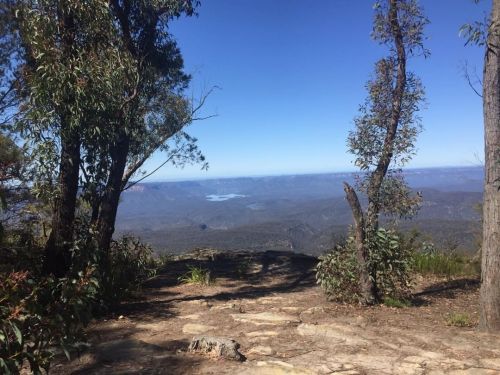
(269, 303)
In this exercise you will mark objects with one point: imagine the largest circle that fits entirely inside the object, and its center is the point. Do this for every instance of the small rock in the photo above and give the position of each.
(219, 347)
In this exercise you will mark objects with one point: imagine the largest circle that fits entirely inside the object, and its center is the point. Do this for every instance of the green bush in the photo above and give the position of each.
(396, 302)
(38, 315)
(459, 320)
(338, 272)
(430, 261)
(390, 262)
(131, 264)
(197, 275)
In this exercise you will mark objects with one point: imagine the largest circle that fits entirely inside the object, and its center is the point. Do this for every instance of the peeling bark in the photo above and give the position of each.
(490, 267)
(366, 283)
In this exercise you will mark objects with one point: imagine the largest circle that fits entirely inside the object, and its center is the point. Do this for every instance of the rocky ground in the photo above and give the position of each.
(268, 302)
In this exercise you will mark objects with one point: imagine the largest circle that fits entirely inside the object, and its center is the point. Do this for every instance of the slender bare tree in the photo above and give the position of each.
(490, 267)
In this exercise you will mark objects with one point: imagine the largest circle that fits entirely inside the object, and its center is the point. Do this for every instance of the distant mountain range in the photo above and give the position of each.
(304, 213)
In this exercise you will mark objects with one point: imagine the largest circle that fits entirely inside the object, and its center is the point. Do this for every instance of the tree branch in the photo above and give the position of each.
(190, 118)
(397, 99)
(149, 174)
(469, 81)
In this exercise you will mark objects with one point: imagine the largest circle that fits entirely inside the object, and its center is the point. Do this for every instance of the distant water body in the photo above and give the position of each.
(223, 197)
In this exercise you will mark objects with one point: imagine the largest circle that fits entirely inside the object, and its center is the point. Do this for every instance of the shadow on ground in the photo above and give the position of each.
(261, 273)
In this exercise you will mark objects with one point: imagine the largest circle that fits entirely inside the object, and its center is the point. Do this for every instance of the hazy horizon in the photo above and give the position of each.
(202, 178)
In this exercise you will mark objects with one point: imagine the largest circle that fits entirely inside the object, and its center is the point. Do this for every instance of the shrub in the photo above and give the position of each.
(338, 274)
(390, 261)
(38, 315)
(433, 262)
(131, 263)
(396, 302)
(242, 268)
(459, 320)
(197, 275)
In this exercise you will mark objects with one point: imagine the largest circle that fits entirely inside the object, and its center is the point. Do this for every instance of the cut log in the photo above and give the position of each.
(218, 347)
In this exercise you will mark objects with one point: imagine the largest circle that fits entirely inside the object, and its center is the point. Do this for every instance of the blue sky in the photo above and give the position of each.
(292, 75)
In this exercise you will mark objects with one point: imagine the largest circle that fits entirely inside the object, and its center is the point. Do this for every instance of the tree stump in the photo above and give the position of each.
(218, 347)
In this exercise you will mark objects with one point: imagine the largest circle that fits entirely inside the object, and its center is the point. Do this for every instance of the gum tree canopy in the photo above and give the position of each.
(103, 89)
(385, 131)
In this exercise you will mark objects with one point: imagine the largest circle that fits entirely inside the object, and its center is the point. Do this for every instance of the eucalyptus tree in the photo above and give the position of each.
(104, 83)
(490, 266)
(152, 113)
(10, 154)
(10, 54)
(385, 132)
(486, 34)
(68, 56)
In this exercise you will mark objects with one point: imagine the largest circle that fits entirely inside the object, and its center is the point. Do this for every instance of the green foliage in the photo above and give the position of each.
(390, 263)
(459, 320)
(412, 22)
(242, 268)
(11, 171)
(132, 263)
(381, 147)
(398, 303)
(475, 33)
(197, 275)
(367, 141)
(431, 261)
(338, 272)
(9, 58)
(38, 315)
(41, 314)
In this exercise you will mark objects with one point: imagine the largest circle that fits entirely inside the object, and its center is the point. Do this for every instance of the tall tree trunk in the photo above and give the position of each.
(367, 283)
(378, 175)
(57, 259)
(111, 199)
(367, 225)
(490, 268)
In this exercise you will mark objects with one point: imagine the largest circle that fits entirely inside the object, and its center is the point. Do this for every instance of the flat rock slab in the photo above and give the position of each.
(266, 318)
(335, 333)
(261, 333)
(276, 368)
(190, 316)
(218, 347)
(261, 350)
(196, 329)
